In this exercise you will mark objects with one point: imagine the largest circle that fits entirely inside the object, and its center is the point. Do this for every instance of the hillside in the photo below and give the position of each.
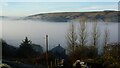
(107, 16)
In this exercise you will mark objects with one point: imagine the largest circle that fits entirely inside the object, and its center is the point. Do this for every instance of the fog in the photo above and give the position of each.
(14, 31)
(0, 28)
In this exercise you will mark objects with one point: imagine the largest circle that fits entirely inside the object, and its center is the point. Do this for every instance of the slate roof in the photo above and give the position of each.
(58, 51)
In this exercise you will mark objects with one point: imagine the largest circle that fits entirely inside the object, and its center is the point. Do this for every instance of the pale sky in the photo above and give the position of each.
(12, 8)
(59, 0)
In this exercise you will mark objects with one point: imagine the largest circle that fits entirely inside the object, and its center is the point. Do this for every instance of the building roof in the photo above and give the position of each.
(59, 52)
(58, 49)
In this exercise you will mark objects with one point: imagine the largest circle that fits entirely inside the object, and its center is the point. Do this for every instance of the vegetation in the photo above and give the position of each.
(109, 58)
(71, 37)
(107, 16)
(81, 49)
(25, 50)
(83, 33)
(23, 54)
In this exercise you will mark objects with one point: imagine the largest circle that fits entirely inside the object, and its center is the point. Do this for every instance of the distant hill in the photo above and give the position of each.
(8, 51)
(9, 18)
(107, 16)
(3, 17)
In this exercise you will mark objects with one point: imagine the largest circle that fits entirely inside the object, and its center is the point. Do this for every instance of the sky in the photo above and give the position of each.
(59, 0)
(26, 8)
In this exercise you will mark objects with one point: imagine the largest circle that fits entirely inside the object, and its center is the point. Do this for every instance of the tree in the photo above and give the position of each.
(106, 39)
(25, 50)
(95, 34)
(83, 33)
(71, 38)
(82, 49)
(95, 39)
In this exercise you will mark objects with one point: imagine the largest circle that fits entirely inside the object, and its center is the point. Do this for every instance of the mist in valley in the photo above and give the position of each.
(14, 31)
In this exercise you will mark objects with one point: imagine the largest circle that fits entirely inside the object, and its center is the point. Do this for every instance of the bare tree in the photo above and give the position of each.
(106, 39)
(95, 34)
(95, 39)
(71, 38)
(83, 33)
(106, 36)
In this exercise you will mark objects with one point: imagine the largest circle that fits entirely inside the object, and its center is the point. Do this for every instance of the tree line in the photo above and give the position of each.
(84, 46)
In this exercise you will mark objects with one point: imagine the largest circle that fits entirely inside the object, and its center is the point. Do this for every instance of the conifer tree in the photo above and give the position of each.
(25, 50)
